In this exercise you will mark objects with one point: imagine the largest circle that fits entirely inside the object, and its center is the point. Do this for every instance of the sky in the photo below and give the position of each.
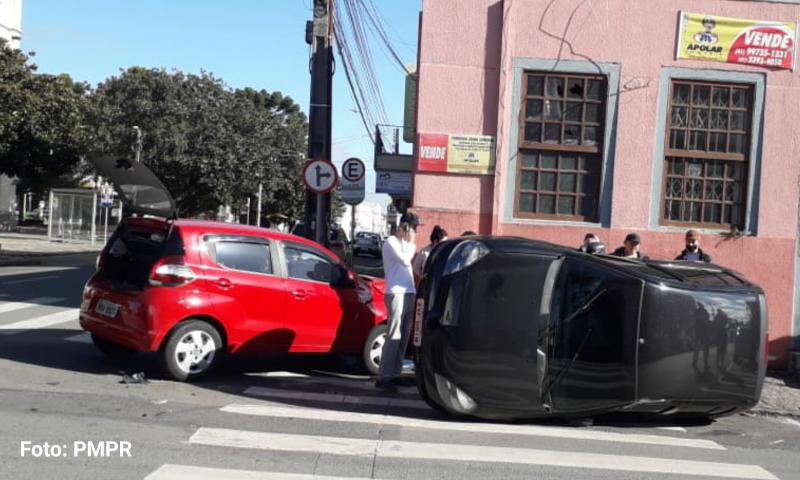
(246, 43)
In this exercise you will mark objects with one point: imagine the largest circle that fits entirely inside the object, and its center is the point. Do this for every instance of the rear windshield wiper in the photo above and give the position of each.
(566, 367)
(550, 330)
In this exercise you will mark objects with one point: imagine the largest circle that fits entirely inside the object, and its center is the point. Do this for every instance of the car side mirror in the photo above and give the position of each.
(344, 278)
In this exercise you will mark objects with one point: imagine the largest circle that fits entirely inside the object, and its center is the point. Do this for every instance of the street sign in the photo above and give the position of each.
(106, 196)
(320, 176)
(353, 181)
(396, 184)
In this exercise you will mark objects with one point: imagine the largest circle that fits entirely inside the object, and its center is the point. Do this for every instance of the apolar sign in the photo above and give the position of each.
(735, 40)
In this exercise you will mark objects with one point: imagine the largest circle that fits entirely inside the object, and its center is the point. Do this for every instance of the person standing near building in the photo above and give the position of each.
(438, 235)
(588, 239)
(398, 253)
(693, 252)
(630, 248)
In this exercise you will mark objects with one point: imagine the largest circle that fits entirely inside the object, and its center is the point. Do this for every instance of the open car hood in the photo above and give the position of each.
(138, 187)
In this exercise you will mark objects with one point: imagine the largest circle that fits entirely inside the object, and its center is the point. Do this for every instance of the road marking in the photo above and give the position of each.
(278, 393)
(82, 337)
(673, 429)
(792, 422)
(6, 307)
(26, 280)
(285, 375)
(529, 430)
(40, 322)
(181, 472)
(377, 448)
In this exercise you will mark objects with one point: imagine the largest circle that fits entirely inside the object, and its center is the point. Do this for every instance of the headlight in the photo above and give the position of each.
(464, 255)
(455, 398)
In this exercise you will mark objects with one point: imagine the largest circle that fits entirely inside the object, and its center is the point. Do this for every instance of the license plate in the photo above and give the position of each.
(418, 314)
(106, 308)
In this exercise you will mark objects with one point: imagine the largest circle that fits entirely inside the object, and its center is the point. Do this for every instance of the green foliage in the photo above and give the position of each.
(209, 145)
(43, 131)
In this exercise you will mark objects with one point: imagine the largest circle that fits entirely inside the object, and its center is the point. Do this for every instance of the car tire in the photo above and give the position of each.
(112, 349)
(191, 351)
(373, 345)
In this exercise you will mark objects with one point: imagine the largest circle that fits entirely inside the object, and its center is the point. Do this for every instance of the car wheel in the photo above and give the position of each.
(373, 348)
(112, 349)
(192, 350)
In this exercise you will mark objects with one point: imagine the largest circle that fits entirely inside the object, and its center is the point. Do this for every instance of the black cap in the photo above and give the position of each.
(633, 238)
(410, 219)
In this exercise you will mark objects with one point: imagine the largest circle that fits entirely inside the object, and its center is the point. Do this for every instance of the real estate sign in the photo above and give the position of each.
(469, 154)
(735, 40)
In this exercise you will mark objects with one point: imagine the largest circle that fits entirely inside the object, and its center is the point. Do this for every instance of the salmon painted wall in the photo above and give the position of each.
(467, 50)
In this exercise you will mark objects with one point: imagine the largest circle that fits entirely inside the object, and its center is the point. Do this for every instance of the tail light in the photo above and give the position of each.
(364, 291)
(171, 272)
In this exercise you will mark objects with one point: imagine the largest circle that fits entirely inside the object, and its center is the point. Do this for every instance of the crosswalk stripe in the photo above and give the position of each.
(40, 322)
(470, 453)
(6, 307)
(181, 472)
(82, 337)
(277, 393)
(529, 430)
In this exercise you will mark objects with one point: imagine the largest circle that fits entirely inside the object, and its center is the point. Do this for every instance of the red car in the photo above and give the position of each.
(194, 290)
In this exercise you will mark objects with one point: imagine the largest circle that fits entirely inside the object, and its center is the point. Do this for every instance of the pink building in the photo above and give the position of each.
(596, 123)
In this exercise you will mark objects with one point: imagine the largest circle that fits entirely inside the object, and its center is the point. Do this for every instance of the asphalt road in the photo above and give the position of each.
(301, 418)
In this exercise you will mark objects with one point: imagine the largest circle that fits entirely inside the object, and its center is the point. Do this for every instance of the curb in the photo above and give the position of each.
(771, 412)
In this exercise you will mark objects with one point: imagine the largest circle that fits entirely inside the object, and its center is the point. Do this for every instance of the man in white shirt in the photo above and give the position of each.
(398, 253)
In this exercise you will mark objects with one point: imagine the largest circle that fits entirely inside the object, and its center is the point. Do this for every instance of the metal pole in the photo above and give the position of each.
(105, 228)
(353, 223)
(248, 210)
(50, 218)
(138, 143)
(94, 215)
(258, 207)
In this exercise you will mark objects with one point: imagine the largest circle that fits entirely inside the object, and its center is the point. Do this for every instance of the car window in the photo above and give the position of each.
(250, 257)
(303, 264)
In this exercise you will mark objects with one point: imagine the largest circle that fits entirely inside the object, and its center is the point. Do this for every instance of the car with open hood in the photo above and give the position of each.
(195, 290)
(510, 328)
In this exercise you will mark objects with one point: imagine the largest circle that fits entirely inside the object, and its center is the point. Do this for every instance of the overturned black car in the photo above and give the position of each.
(509, 328)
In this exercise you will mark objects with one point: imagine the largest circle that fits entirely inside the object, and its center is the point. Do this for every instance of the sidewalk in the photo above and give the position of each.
(27, 248)
(780, 396)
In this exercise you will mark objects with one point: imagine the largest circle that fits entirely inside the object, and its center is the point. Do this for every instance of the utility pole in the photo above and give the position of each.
(319, 34)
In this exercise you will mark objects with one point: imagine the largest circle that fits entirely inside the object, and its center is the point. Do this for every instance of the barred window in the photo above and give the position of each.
(707, 155)
(560, 146)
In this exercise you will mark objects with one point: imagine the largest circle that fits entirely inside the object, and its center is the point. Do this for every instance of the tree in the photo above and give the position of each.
(43, 132)
(209, 145)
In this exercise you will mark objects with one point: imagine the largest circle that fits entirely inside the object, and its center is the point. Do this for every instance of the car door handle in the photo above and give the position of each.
(299, 294)
(224, 283)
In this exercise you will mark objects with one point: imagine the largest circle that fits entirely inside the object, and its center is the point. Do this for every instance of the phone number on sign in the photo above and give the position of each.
(79, 448)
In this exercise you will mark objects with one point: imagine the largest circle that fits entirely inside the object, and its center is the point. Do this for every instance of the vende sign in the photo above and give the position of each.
(734, 40)
(456, 153)
(433, 152)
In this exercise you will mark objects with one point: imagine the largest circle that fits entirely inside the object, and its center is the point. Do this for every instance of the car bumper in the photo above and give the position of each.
(142, 318)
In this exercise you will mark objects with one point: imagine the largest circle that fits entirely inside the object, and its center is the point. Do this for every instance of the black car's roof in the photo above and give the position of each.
(700, 274)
